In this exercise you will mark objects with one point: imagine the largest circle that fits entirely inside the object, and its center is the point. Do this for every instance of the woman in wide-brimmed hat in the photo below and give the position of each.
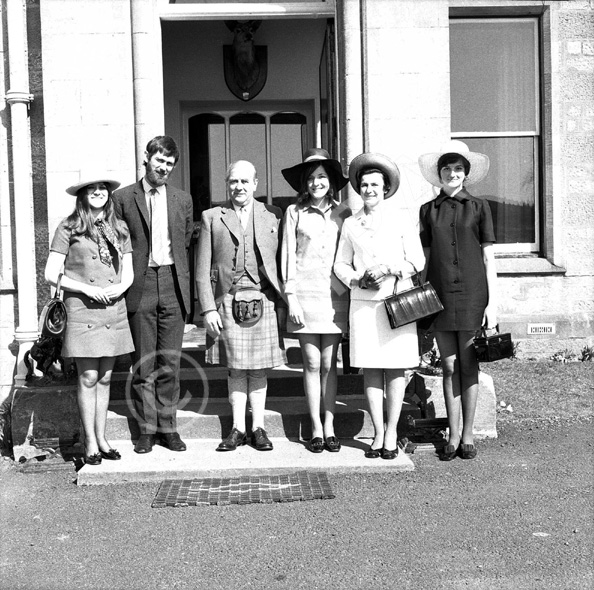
(317, 300)
(457, 234)
(379, 250)
(92, 252)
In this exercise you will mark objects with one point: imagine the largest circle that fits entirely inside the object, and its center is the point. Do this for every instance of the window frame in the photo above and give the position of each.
(228, 109)
(520, 248)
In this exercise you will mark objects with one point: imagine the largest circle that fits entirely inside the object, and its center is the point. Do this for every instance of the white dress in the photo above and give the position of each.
(387, 236)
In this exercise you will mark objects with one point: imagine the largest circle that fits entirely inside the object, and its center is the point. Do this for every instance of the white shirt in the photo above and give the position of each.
(159, 213)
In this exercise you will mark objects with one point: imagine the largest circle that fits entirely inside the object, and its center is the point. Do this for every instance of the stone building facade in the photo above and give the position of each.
(85, 84)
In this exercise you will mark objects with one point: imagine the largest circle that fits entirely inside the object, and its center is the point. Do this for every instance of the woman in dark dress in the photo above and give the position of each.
(92, 248)
(457, 236)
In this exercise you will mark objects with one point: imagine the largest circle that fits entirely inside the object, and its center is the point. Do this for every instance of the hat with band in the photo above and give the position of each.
(479, 163)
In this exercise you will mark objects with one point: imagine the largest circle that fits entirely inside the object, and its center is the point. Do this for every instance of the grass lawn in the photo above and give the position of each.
(543, 390)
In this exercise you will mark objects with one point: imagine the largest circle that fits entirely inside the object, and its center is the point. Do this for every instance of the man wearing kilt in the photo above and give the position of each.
(239, 295)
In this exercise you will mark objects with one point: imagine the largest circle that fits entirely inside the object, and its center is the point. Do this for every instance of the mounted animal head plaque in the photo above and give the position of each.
(246, 65)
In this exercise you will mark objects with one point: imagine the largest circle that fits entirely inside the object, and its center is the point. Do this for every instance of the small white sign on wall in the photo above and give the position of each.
(541, 329)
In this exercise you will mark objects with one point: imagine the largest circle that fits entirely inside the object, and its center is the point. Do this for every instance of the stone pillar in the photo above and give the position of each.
(406, 60)
(348, 33)
(147, 63)
(18, 97)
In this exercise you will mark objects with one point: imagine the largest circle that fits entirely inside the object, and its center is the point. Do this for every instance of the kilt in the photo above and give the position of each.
(247, 347)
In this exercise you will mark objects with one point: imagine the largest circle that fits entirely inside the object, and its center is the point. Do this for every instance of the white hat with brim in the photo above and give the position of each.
(379, 161)
(479, 163)
(112, 184)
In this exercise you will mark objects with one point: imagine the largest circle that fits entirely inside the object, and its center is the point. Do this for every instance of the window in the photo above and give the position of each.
(272, 139)
(495, 103)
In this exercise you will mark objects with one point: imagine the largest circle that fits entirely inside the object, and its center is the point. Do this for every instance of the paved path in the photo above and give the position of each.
(518, 517)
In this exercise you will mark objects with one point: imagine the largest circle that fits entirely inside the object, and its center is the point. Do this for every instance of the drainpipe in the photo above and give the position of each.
(19, 99)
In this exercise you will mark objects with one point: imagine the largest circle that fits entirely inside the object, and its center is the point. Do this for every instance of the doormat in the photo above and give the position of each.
(219, 491)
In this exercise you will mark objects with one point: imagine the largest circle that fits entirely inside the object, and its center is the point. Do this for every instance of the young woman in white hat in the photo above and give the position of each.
(92, 248)
(457, 235)
(378, 249)
(318, 302)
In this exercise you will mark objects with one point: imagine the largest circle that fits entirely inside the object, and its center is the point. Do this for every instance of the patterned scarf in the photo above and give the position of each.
(107, 237)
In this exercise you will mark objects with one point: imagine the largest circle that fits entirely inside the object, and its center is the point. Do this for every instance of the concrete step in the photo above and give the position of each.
(284, 417)
(207, 382)
(202, 460)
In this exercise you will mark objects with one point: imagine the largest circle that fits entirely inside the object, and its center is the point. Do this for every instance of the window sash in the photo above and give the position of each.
(521, 125)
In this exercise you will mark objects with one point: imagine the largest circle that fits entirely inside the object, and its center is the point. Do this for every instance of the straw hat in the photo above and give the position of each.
(333, 168)
(379, 161)
(87, 180)
(479, 163)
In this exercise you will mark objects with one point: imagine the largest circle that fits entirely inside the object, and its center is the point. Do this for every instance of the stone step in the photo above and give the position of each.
(284, 417)
(202, 460)
(45, 418)
(207, 382)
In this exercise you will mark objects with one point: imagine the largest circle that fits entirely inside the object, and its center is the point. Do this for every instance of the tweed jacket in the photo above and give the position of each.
(130, 204)
(220, 236)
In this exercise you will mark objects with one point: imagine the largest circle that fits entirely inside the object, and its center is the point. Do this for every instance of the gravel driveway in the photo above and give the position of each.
(517, 517)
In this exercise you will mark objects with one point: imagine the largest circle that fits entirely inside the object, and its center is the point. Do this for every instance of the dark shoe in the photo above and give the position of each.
(234, 439)
(93, 459)
(111, 455)
(333, 444)
(173, 442)
(448, 453)
(315, 445)
(260, 441)
(389, 454)
(373, 453)
(145, 443)
(467, 451)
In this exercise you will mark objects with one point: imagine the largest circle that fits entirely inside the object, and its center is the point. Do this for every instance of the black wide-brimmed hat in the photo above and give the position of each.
(379, 161)
(313, 156)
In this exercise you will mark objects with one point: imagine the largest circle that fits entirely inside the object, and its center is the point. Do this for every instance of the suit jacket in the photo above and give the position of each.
(220, 236)
(130, 204)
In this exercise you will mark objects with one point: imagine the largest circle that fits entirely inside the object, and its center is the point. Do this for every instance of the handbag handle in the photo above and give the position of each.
(415, 278)
(58, 292)
(483, 330)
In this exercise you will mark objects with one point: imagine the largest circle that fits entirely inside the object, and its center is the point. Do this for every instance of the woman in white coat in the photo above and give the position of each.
(379, 249)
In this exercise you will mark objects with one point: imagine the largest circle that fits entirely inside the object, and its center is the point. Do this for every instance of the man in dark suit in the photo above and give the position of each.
(161, 223)
(238, 291)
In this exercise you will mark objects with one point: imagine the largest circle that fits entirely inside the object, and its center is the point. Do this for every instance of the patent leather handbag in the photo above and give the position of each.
(47, 349)
(494, 347)
(53, 318)
(411, 305)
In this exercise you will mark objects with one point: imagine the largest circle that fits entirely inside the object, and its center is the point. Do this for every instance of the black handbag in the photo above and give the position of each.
(52, 321)
(494, 347)
(413, 304)
(47, 349)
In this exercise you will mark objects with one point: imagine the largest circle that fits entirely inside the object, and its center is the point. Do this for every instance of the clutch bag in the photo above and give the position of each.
(413, 304)
(494, 347)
